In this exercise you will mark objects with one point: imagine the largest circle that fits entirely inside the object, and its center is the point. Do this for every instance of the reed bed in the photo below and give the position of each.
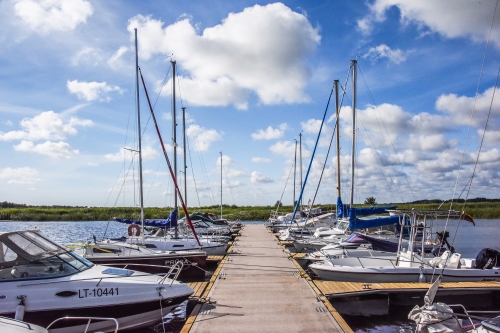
(486, 210)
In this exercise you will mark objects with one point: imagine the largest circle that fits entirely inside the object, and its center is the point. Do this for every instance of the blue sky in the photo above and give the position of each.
(252, 76)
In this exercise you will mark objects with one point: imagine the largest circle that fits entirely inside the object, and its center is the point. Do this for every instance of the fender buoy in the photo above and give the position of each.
(133, 227)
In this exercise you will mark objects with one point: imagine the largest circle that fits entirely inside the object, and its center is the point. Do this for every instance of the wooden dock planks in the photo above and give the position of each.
(258, 288)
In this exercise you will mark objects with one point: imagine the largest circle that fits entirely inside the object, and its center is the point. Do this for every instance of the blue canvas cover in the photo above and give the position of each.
(370, 210)
(355, 223)
(170, 222)
(340, 208)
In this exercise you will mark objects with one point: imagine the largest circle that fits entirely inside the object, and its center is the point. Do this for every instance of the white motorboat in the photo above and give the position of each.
(410, 266)
(9, 325)
(41, 281)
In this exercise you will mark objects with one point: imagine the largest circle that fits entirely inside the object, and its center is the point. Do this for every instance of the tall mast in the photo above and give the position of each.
(337, 134)
(220, 184)
(184, 144)
(294, 172)
(353, 66)
(300, 154)
(139, 134)
(174, 127)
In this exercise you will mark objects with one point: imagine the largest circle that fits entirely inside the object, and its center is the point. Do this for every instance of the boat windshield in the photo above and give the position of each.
(28, 255)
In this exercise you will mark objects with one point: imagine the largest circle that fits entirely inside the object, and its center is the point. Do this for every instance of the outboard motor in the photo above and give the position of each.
(487, 259)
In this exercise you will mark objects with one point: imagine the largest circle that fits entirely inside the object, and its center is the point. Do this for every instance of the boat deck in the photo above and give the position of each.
(257, 288)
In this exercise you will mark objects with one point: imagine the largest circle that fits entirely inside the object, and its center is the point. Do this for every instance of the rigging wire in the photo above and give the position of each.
(380, 120)
(197, 146)
(228, 184)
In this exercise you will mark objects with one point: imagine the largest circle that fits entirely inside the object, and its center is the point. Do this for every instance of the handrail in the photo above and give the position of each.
(175, 270)
(117, 325)
(17, 321)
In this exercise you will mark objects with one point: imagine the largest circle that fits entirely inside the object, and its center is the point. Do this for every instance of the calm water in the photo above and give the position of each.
(469, 240)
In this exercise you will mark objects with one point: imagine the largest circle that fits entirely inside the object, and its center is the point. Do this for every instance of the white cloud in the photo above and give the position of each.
(202, 137)
(261, 160)
(25, 175)
(87, 55)
(7, 122)
(46, 126)
(383, 51)
(460, 107)
(54, 149)
(311, 126)
(228, 166)
(261, 50)
(270, 133)
(126, 154)
(433, 142)
(53, 15)
(92, 164)
(257, 178)
(91, 91)
(116, 59)
(449, 18)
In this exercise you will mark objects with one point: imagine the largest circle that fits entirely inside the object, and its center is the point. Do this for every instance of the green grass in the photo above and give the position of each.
(247, 213)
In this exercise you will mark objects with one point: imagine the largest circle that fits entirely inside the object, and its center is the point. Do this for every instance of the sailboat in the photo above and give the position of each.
(142, 252)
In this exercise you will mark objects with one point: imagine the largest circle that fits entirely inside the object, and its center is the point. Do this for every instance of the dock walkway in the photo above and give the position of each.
(259, 289)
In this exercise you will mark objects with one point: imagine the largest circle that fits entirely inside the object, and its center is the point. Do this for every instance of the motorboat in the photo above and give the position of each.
(141, 258)
(41, 281)
(9, 325)
(412, 266)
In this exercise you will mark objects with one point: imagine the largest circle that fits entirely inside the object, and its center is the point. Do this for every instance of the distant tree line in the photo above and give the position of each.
(438, 201)
(7, 204)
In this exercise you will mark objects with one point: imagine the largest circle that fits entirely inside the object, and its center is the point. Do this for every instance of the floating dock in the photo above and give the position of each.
(258, 288)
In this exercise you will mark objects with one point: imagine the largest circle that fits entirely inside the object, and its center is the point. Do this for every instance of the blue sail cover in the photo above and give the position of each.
(355, 223)
(370, 210)
(340, 208)
(170, 222)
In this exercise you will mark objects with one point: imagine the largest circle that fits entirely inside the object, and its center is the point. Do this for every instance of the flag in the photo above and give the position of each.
(467, 217)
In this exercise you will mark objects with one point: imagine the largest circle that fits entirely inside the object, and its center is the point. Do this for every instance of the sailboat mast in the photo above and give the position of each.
(300, 154)
(139, 135)
(294, 172)
(220, 184)
(353, 66)
(184, 144)
(337, 134)
(174, 127)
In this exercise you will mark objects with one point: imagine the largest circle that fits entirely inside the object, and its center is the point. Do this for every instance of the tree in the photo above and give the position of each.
(370, 201)
(278, 204)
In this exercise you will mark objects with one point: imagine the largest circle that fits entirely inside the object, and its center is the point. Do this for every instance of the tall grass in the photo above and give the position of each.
(233, 212)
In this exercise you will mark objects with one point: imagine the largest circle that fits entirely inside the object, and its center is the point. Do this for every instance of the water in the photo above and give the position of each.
(467, 240)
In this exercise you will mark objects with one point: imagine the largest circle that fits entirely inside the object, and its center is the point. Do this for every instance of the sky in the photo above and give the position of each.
(254, 77)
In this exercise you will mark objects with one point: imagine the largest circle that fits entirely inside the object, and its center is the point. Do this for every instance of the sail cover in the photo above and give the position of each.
(355, 223)
(340, 208)
(170, 222)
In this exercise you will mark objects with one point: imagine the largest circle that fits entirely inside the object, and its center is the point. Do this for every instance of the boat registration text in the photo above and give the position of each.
(97, 292)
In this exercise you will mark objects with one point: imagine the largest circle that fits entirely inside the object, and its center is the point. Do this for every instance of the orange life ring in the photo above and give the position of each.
(134, 227)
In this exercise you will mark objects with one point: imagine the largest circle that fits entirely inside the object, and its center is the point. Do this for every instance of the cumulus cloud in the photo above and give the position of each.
(46, 126)
(92, 91)
(24, 175)
(383, 51)
(53, 149)
(460, 107)
(270, 133)
(261, 50)
(53, 15)
(229, 167)
(261, 160)
(202, 137)
(448, 18)
(257, 178)
(128, 154)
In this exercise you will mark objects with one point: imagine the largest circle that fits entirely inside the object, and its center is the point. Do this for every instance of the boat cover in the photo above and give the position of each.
(170, 222)
(355, 223)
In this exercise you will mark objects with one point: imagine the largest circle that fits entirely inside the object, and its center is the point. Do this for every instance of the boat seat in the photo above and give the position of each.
(439, 261)
(19, 272)
(453, 262)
